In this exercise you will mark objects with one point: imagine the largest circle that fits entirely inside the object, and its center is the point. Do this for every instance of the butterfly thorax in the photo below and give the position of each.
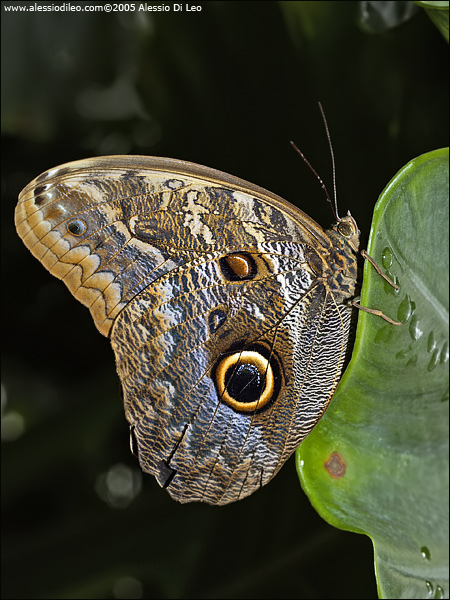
(340, 273)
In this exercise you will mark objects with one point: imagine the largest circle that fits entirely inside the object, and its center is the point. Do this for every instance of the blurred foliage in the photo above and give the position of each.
(227, 86)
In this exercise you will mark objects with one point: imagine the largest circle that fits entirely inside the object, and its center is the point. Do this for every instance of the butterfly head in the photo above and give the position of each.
(347, 229)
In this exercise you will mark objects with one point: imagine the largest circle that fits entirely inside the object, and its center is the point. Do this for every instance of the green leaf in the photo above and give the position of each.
(436, 4)
(438, 13)
(377, 463)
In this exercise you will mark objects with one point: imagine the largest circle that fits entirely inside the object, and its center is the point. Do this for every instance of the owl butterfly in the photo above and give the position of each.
(227, 309)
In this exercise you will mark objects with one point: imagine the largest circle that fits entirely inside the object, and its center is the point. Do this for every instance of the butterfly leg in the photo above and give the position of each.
(378, 270)
(373, 311)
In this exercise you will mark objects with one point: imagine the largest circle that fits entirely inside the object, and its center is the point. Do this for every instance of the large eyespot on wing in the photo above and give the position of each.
(248, 380)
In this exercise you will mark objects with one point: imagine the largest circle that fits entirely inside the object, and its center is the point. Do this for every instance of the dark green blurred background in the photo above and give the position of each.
(228, 87)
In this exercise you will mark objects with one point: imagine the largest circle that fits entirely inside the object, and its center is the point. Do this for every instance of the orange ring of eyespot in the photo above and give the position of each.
(263, 366)
(77, 221)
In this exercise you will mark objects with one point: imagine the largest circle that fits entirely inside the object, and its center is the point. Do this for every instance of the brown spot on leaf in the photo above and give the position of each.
(335, 465)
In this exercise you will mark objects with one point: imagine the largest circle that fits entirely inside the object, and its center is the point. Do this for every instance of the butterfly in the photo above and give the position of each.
(228, 310)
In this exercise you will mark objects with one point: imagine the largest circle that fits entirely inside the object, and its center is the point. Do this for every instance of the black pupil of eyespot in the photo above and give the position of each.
(244, 383)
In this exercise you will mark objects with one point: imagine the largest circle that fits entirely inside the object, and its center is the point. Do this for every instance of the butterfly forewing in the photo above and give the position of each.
(225, 306)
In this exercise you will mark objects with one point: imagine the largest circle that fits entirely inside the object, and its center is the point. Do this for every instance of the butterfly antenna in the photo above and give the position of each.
(335, 211)
(324, 187)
